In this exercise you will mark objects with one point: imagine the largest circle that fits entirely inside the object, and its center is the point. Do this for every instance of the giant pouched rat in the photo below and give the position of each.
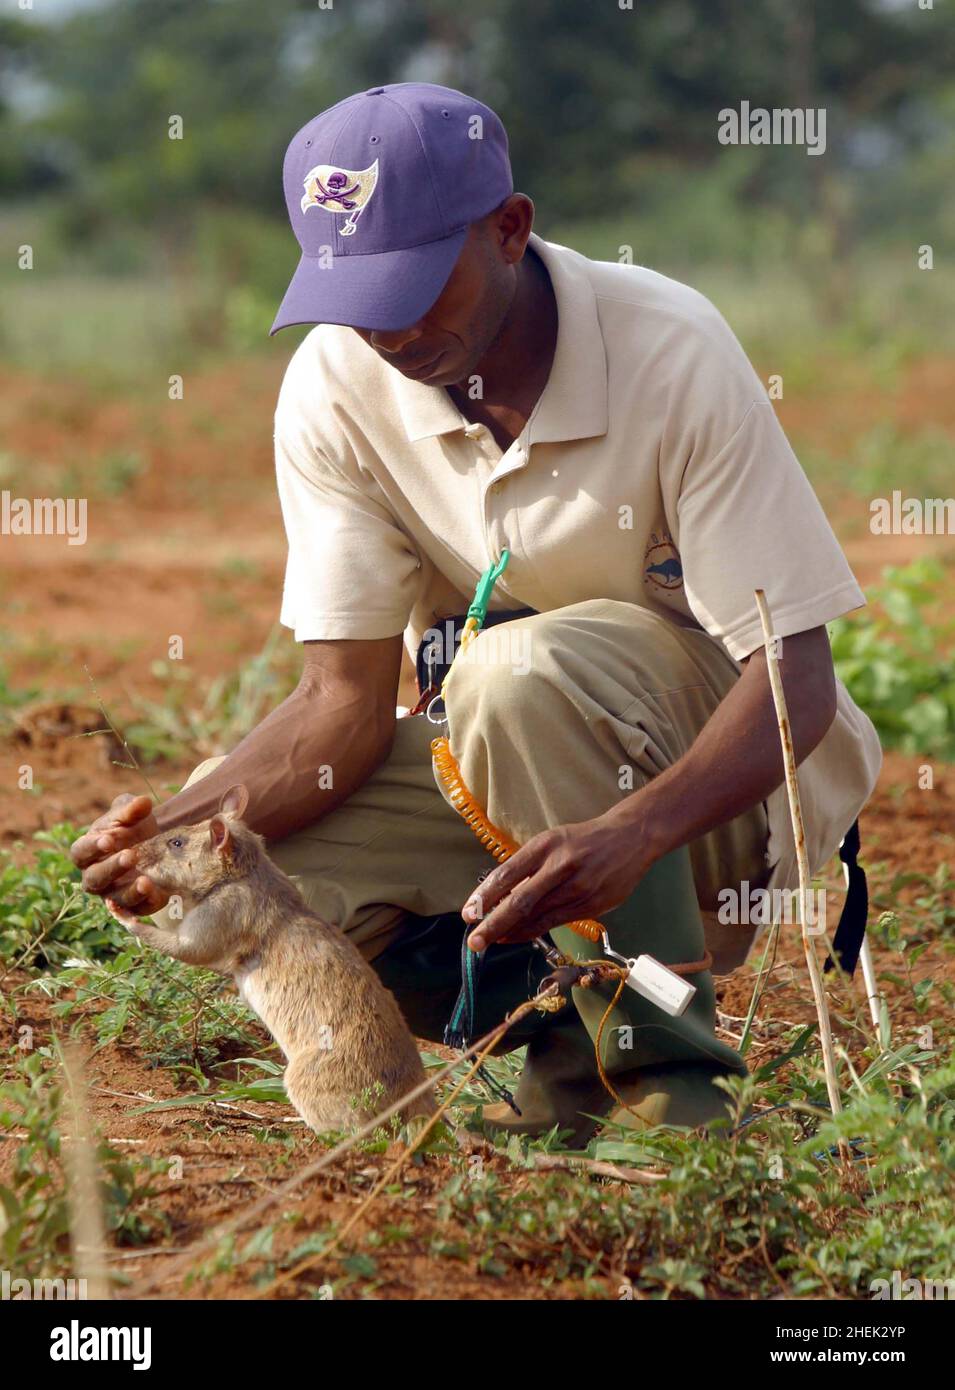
(339, 1027)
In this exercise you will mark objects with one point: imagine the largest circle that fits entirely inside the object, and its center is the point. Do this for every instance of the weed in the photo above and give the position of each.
(34, 1202)
(44, 915)
(750, 1213)
(229, 707)
(898, 665)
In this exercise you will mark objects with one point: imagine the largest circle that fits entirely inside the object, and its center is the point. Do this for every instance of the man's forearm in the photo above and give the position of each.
(305, 758)
(736, 760)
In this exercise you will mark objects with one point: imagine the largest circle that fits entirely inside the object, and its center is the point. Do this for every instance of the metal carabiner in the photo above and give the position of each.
(428, 708)
(615, 955)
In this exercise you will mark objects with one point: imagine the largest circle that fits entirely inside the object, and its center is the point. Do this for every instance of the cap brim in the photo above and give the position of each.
(386, 290)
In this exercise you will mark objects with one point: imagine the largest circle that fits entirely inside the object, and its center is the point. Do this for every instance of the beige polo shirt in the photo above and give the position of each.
(652, 470)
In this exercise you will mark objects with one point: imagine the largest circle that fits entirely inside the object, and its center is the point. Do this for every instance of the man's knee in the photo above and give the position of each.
(502, 669)
(608, 651)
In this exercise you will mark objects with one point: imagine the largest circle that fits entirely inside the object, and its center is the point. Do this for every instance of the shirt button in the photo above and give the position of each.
(473, 431)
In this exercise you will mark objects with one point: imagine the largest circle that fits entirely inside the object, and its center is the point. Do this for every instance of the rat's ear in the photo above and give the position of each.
(234, 802)
(220, 836)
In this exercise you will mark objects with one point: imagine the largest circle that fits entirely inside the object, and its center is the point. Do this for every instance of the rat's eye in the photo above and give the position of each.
(176, 843)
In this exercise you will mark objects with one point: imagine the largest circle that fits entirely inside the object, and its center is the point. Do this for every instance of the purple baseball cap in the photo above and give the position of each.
(381, 189)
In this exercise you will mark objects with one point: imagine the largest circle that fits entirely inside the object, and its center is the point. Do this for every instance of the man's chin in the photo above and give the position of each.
(443, 379)
(451, 374)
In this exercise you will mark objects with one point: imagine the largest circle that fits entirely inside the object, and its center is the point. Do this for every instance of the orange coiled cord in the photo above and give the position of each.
(493, 839)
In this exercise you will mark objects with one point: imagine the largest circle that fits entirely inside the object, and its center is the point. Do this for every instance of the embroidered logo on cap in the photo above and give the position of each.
(340, 190)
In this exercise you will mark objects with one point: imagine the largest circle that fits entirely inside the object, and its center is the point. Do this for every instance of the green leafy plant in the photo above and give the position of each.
(898, 665)
(759, 1210)
(176, 1014)
(34, 1195)
(45, 917)
(212, 717)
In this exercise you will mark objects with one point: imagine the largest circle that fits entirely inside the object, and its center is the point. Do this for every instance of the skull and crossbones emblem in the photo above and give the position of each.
(340, 190)
(336, 192)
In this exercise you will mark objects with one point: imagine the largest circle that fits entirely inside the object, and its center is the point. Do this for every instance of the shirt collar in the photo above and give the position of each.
(573, 404)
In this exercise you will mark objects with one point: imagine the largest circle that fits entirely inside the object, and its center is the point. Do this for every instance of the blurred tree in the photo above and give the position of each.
(22, 164)
(597, 99)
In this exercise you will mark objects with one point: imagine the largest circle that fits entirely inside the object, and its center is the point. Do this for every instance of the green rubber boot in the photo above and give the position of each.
(559, 1085)
(677, 1096)
(661, 918)
(662, 1067)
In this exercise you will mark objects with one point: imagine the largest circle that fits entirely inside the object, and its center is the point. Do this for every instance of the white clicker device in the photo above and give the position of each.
(655, 981)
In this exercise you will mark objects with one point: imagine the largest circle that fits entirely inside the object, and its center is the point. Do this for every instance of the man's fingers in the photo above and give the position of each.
(111, 831)
(106, 872)
(504, 879)
(86, 849)
(551, 912)
(141, 896)
(129, 812)
(96, 844)
(521, 915)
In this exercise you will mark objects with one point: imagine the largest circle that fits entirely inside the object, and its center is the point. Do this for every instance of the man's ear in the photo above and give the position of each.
(234, 802)
(220, 837)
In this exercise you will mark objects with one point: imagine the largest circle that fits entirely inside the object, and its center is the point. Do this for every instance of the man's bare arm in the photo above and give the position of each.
(335, 728)
(736, 760)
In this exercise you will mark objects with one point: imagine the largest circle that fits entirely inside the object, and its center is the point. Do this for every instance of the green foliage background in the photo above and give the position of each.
(612, 115)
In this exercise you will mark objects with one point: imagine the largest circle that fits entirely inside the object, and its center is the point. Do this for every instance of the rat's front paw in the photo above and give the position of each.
(124, 917)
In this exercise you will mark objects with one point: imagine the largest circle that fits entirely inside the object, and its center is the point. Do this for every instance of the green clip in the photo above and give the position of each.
(485, 587)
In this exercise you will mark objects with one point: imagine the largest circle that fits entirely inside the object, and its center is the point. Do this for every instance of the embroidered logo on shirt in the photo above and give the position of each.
(662, 563)
(340, 190)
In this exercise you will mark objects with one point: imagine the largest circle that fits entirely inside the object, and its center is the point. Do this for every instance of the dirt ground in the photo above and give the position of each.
(193, 545)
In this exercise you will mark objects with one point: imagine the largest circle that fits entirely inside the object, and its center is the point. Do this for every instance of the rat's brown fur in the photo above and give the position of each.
(341, 1030)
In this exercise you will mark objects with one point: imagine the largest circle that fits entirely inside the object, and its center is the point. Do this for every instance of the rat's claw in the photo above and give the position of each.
(123, 916)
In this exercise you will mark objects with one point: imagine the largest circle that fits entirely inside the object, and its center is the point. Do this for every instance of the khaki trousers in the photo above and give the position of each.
(552, 718)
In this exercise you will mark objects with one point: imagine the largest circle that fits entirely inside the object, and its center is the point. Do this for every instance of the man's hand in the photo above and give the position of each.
(574, 871)
(108, 867)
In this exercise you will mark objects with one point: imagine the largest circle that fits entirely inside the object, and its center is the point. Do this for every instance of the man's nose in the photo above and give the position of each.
(395, 340)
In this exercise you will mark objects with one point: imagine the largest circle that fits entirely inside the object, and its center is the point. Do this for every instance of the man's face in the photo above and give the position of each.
(448, 342)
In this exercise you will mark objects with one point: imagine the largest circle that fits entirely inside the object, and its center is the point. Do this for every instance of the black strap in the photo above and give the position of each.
(459, 1032)
(850, 933)
(460, 1028)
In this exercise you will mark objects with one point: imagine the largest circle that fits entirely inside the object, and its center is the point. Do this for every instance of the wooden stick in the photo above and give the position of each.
(592, 1165)
(802, 858)
(872, 994)
(87, 1224)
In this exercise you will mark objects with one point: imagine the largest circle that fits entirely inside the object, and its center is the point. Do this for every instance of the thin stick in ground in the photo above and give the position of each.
(802, 857)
